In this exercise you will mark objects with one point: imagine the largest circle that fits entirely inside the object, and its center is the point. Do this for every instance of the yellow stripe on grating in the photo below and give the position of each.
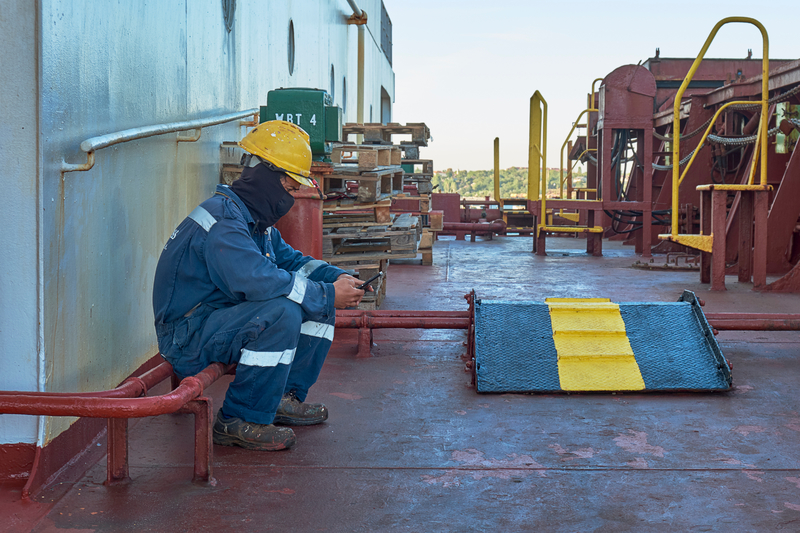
(593, 349)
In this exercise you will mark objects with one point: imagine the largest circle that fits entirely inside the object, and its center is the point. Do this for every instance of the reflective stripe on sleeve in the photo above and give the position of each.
(310, 267)
(266, 359)
(203, 218)
(317, 329)
(298, 290)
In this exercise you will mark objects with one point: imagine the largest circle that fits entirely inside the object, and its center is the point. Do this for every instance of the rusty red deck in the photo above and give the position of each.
(411, 446)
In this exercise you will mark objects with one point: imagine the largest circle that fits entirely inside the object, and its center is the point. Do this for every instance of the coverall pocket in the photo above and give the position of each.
(224, 345)
(180, 337)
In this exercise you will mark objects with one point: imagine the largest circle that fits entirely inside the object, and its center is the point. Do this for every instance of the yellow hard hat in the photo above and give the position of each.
(283, 144)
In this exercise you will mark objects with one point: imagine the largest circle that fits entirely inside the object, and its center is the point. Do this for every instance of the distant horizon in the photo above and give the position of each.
(467, 69)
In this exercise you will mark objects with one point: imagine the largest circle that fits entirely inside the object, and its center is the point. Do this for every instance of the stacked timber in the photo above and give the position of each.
(363, 174)
(376, 134)
(357, 242)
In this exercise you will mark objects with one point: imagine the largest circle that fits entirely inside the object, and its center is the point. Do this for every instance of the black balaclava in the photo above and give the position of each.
(261, 191)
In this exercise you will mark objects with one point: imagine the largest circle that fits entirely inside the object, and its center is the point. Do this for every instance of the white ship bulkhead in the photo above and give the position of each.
(80, 248)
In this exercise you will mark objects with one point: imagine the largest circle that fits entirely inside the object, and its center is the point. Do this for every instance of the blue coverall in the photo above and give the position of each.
(225, 293)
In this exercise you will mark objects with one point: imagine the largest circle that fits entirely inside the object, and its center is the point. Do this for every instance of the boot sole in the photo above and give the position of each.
(227, 440)
(281, 420)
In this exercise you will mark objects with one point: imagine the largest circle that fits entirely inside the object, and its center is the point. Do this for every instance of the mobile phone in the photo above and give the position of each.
(363, 286)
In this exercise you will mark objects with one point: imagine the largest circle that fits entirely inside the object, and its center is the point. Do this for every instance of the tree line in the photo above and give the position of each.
(480, 183)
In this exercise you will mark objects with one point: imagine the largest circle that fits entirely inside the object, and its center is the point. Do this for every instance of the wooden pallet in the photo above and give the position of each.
(373, 185)
(375, 133)
(380, 211)
(406, 203)
(356, 243)
(426, 164)
(373, 299)
(367, 156)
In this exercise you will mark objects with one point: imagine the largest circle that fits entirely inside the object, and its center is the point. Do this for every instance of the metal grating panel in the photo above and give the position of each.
(672, 351)
(514, 349)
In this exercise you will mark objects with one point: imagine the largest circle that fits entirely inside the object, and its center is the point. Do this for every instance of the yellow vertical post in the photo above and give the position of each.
(497, 172)
(537, 143)
(569, 171)
(676, 120)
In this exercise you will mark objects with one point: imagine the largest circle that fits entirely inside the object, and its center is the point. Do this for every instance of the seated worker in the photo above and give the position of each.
(228, 289)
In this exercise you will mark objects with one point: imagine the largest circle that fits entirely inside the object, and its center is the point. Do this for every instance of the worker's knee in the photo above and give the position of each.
(279, 314)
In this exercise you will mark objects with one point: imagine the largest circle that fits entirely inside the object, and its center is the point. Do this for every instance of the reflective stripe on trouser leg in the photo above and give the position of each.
(261, 338)
(315, 341)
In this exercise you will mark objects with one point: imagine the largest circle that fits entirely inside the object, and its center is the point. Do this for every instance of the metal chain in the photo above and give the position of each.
(774, 100)
(687, 136)
(681, 162)
(739, 141)
(794, 122)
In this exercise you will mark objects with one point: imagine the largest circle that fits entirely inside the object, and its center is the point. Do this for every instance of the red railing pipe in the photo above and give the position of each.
(130, 388)
(401, 313)
(105, 407)
(404, 322)
(354, 318)
(498, 226)
(754, 321)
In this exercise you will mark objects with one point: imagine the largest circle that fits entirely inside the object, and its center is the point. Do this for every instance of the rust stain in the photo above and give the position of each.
(736, 462)
(517, 466)
(639, 463)
(746, 430)
(346, 396)
(792, 506)
(794, 424)
(282, 491)
(582, 453)
(461, 412)
(795, 480)
(755, 475)
(636, 442)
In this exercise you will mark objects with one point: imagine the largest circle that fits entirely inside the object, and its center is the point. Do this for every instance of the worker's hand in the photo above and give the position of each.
(356, 280)
(346, 293)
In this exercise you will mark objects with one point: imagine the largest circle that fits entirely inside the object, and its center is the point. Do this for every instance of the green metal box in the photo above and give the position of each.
(312, 110)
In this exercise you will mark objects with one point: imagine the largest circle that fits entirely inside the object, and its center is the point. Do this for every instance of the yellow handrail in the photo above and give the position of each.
(591, 99)
(676, 120)
(578, 159)
(561, 167)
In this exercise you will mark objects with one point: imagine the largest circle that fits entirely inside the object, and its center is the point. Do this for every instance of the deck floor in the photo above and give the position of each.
(410, 445)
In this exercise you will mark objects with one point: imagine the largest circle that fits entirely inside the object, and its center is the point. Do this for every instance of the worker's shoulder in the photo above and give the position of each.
(222, 207)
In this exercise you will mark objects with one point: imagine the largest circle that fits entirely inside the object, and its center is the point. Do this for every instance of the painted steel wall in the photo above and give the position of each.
(19, 239)
(108, 66)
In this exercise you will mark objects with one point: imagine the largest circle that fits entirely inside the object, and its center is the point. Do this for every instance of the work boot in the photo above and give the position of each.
(263, 437)
(293, 412)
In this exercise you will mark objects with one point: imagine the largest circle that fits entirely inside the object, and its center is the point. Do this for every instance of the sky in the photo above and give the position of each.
(467, 68)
